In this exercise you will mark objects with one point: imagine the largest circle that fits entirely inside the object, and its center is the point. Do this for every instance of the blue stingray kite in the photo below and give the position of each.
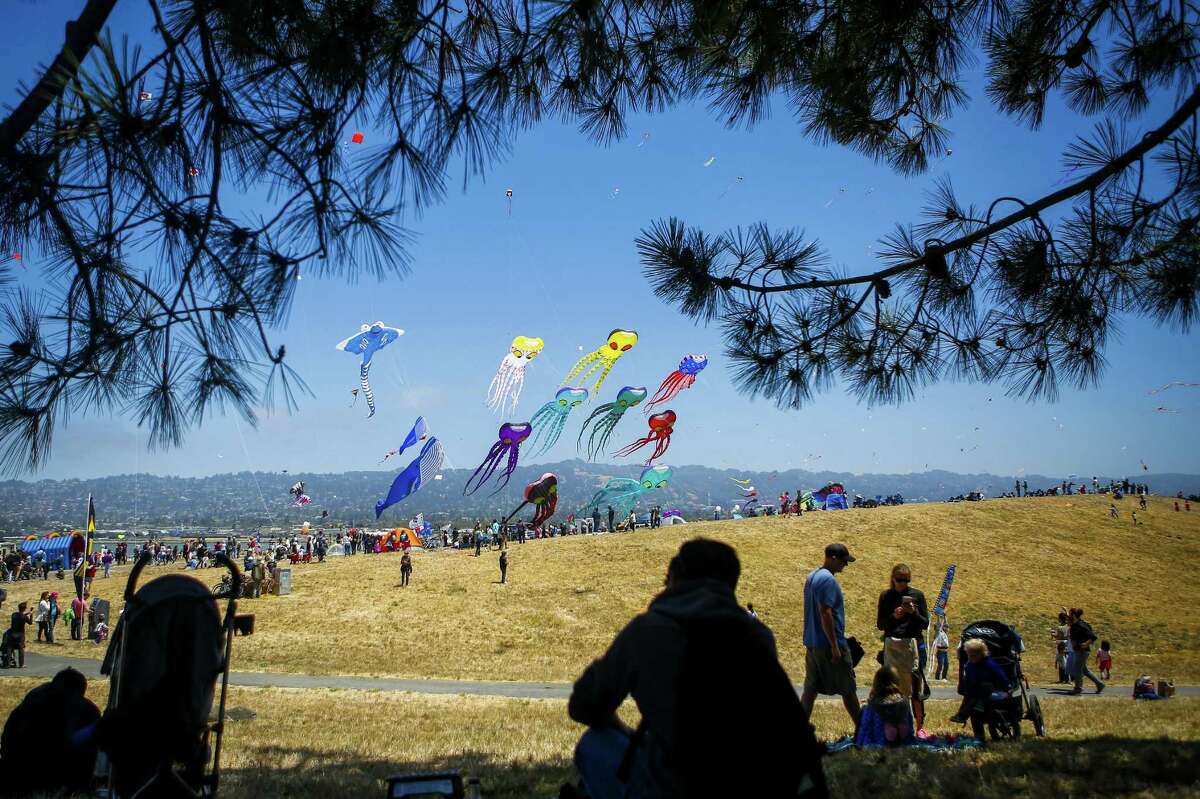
(369, 340)
(422, 469)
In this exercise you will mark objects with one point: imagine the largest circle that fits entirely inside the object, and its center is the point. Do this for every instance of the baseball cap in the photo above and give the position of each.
(839, 551)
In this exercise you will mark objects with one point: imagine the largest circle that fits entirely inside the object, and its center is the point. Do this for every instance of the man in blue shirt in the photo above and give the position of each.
(828, 668)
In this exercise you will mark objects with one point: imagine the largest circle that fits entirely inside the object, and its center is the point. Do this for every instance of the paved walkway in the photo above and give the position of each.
(46, 666)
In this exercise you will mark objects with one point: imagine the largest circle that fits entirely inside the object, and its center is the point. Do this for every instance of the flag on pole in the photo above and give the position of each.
(944, 596)
(81, 567)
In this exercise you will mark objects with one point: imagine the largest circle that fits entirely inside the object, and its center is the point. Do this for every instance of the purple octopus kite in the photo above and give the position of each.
(509, 444)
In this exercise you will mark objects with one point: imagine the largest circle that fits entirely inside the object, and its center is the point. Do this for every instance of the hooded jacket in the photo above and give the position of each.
(644, 662)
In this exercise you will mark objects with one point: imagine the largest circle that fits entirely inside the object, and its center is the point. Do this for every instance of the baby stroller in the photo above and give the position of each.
(1004, 715)
(169, 647)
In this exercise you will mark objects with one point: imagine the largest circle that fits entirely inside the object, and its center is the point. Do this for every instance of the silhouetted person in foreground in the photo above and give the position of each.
(701, 734)
(47, 744)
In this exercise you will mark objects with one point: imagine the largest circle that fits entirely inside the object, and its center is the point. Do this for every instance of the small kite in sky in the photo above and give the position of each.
(299, 498)
(418, 433)
(1174, 384)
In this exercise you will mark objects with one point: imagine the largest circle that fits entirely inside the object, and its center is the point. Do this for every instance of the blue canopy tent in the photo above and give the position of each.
(57, 549)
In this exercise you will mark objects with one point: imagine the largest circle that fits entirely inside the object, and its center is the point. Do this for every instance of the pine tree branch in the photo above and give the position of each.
(81, 35)
(1028, 211)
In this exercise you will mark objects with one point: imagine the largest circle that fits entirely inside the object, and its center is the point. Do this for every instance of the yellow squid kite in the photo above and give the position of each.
(601, 360)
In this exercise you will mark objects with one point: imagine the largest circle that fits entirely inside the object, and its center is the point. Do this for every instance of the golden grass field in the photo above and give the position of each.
(346, 743)
(1018, 560)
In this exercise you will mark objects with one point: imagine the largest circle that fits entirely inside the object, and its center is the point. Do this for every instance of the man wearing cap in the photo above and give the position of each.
(827, 665)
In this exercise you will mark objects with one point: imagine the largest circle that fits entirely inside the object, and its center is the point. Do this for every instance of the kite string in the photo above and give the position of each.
(541, 283)
(253, 473)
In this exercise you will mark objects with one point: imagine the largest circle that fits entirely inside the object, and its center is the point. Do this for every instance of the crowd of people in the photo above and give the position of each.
(1116, 488)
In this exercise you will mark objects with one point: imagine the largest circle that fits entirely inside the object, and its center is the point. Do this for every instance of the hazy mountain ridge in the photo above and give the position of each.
(250, 499)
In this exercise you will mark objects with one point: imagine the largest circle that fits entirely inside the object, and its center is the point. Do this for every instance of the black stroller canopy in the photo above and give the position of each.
(171, 632)
(1001, 638)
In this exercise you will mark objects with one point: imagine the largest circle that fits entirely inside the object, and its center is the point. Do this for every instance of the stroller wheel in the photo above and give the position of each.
(1034, 714)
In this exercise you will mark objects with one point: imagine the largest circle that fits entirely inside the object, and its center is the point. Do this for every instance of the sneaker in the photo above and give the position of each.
(959, 718)
(1099, 687)
(1075, 692)
(922, 735)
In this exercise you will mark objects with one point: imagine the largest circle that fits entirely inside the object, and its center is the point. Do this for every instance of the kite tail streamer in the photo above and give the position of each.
(601, 412)
(576, 370)
(629, 450)
(669, 389)
(496, 389)
(555, 429)
(603, 375)
(543, 512)
(604, 429)
(515, 383)
(506, 385)
(488, 467)
(366, 387)
(509, 468)
(542, 421)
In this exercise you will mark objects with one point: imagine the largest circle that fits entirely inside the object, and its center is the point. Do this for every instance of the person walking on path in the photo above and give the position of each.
(827, 660)
(405, 569)
(1082, 638)
(902, 616)
(503, 566)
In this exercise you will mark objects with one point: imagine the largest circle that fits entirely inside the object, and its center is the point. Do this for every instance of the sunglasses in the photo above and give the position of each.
(904, 580)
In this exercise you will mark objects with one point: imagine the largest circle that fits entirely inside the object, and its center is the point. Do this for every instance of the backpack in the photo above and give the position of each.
(742, 730)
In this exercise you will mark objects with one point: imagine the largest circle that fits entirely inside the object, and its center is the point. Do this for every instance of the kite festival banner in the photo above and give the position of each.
(944, 595)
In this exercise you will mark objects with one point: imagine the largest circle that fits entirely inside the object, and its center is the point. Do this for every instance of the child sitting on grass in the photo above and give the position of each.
(1104, 660)
(890, 705)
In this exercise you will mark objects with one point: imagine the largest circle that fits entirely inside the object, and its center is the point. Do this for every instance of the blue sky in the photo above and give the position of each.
(563, 267)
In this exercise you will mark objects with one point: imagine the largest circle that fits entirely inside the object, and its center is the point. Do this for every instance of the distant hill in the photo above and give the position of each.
(252, 499)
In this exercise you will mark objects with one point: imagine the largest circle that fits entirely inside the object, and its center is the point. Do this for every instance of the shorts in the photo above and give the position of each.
(823, 676)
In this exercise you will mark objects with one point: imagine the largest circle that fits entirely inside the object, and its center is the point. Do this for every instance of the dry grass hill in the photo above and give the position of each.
(1018, 560)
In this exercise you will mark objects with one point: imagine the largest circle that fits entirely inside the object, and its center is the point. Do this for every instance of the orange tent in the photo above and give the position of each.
(392, 541)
